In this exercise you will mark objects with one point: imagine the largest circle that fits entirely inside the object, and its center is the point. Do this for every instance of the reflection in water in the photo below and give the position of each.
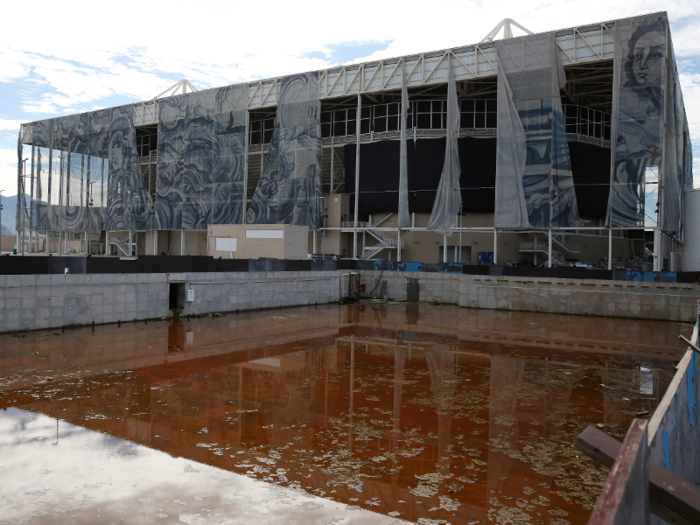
(417, 412)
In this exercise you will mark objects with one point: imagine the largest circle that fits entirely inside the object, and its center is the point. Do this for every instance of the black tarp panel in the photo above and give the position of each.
(591, 169)
(379, 175)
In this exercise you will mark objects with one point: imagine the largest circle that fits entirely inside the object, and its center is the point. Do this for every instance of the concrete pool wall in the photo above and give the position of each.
(29, 302)
(634, 299)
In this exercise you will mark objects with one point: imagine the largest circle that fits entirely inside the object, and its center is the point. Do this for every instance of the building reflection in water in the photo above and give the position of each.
(414, 411)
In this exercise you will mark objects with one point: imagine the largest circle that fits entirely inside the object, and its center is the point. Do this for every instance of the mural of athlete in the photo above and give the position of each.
(640, 122)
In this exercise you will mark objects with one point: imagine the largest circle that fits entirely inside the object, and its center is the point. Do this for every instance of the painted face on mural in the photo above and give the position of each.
(647, 60)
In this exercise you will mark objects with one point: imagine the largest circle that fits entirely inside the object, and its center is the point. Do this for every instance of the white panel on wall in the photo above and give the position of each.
(225, 244)
(264, 234)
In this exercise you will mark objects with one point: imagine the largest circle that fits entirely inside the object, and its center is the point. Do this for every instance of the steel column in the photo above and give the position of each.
(358, 127)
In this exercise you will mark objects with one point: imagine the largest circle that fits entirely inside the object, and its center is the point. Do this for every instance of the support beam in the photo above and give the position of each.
(332, 187)
(610, 250)
(245, 167)
(657, 250)
(495, 246)
(444, 248)
(155, 242)
(108, 248)
(358, 129)
(182, 242)
(549, 249)
(398, 245)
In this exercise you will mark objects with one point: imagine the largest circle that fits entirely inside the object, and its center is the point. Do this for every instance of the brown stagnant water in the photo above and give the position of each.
(431, 414)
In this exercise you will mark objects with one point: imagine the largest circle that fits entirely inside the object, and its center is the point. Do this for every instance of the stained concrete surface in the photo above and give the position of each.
(432, 414)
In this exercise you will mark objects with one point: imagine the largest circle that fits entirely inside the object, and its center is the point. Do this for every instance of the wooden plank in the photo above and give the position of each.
(690, 344)
(625, 497)
(671, 498)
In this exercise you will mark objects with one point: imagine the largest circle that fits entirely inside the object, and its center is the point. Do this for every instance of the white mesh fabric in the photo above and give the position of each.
(534, 183)
(448, 200)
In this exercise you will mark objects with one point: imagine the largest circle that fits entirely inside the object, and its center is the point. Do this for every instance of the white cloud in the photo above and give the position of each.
(10, 124)
(76, 56)
(222, 42)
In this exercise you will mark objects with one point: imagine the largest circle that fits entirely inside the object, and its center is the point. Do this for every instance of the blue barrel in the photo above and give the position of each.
(483, 258)
(490, 254)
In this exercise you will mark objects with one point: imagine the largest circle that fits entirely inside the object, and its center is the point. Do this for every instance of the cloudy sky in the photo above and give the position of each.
(73, 56)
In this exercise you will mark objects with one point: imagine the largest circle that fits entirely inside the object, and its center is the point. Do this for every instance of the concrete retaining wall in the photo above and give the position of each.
(634, 299)
(225, 292)
(639, 300)
(29, 302)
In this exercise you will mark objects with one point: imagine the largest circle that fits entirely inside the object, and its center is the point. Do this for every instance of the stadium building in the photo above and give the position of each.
(552, 148)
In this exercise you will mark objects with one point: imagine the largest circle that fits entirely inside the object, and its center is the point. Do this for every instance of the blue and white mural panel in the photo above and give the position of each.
(172, 115)
(201, 159)
(289, 189)
(639, 80)
(534, 182)
(87, 174)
